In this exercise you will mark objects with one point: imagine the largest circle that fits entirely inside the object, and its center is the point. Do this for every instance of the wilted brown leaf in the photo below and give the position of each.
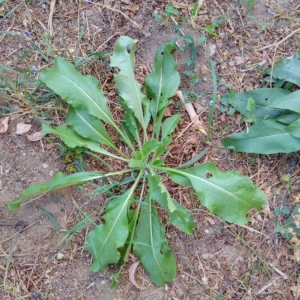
(23, 128)
(36, 136)
(132, 273)
(4, 124)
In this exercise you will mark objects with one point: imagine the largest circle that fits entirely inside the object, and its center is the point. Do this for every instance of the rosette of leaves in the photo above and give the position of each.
(131, 220)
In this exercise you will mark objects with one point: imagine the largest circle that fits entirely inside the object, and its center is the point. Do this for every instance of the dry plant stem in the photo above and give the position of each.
(50, 20)
(105, 42)
(124, 15)
(42, 25)
(283, 275)
(32, 270)
(253, 230)
(264, 288)
(175, 22)
(191, 112)
(189, 125)
(278, 43)
(4, 35)
(2, 242)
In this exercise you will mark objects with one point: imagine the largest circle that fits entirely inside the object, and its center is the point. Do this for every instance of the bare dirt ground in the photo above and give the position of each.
(220, 261)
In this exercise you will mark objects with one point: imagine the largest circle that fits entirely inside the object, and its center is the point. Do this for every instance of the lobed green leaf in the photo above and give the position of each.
(263, 98)
(72, 139)
(287, 69)
(267, 137)
(129, 89)
(290, 101)
(88, 126)
(229, 195)
(179, 215)
(294, 129)
(169, 125)
(151, 246)
(81, 91)
(104, 241)
(162, 83)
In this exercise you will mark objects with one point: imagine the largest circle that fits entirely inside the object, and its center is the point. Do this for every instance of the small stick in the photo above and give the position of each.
(2, 242)
(32, 270)
(105, 42)
(116, 10)
(278, 43)
(191, 112)
(1, 173)
(50, 20)
(283, 275)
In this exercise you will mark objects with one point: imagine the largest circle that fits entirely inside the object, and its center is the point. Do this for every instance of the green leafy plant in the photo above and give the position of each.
(274, 111)
(130, 220)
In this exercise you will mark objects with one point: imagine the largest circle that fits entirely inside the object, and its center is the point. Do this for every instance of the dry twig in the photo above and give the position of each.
(191, 112)
(50, 20)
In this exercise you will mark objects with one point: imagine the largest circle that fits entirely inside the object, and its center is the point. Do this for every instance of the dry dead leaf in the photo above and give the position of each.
(3, 124)
(36, 136)
(192, 140)
(23, 128)
(132, 270)
(239, 60)
(25, 22)
(204, 70)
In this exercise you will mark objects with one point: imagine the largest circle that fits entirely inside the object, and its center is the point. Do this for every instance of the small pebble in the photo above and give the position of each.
(6, 171)
(59, 256)
(51, 173)
(45, 166)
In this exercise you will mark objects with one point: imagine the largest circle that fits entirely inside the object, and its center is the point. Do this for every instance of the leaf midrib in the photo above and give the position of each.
(212, 184)
(108, 119)
(93, 129)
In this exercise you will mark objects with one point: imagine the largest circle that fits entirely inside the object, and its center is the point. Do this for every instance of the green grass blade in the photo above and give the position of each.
(51, 218)
(214, 98)
(193, 160)
(9, 13)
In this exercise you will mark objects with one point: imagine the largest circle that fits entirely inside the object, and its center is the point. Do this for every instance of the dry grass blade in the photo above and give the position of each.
(276, 44)
(124, 15)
